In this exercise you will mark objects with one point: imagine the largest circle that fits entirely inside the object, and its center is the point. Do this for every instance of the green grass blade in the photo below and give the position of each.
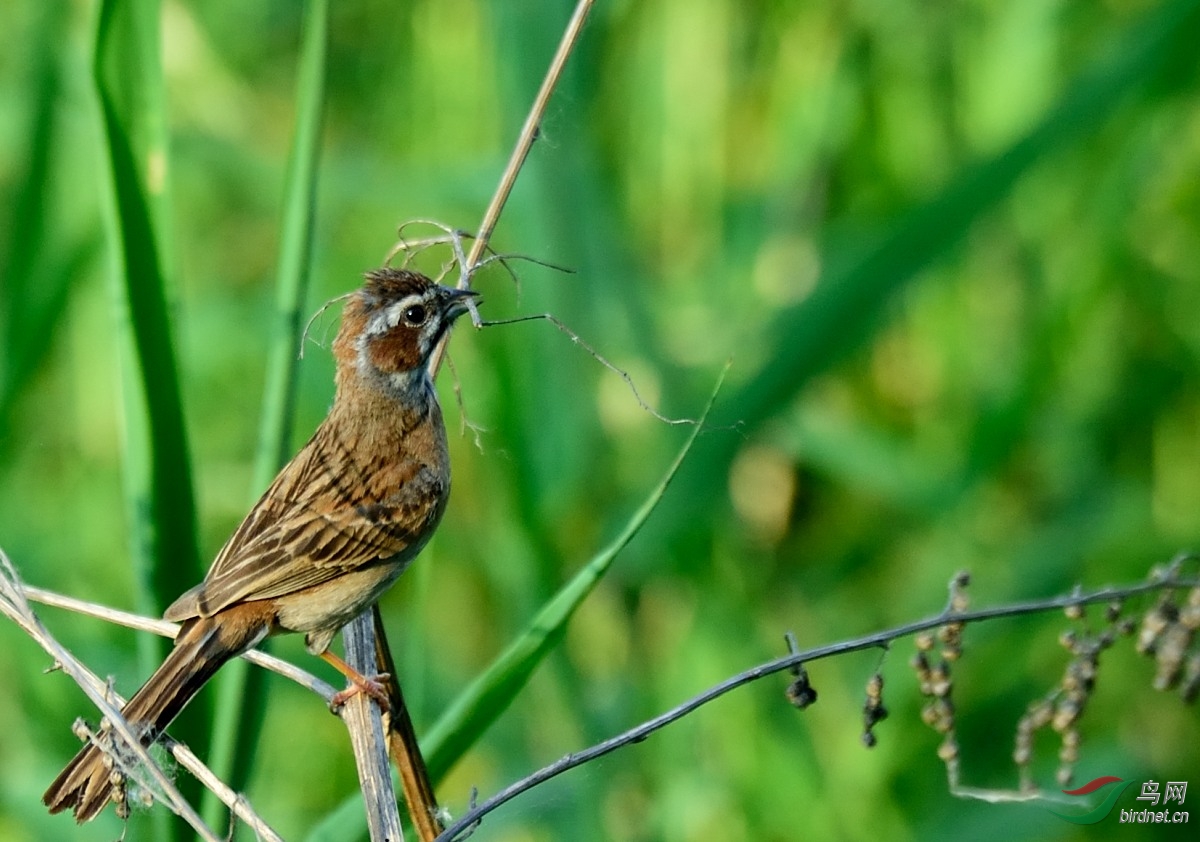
(128, 79)
(22, 341)
(490, 694)
(241, 692)
(157, 471)
(295, 249)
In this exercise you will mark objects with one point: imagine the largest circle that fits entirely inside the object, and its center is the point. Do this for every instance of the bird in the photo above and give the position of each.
(333, 531)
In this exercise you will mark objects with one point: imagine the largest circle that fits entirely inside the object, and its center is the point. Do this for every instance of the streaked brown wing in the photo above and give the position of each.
(323, 515)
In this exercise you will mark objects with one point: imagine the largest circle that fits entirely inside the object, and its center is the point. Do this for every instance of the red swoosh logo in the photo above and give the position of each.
(1091, 786)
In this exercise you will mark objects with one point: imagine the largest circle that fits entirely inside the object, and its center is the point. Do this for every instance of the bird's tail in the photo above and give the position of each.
(203, 645)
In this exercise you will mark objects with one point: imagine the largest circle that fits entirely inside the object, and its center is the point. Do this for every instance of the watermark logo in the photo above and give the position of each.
(1173, 791)
(1111, 787)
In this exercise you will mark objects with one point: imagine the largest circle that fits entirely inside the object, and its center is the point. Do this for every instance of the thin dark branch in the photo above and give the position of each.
(881, 639)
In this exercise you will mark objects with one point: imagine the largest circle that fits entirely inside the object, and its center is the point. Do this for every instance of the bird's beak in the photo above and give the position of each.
(459, 301)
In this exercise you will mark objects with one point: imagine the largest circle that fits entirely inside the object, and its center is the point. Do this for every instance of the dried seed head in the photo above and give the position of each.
(920, 665)
(948, 750)
(1084, 673)
(960, 601)
(1066, 713)
(1155, 622)
(929, 715)
(1189, 616)
(950, 636)
(143, 798)
(1189, 688)
(800, 693)
(875, 686)
(1023, 754)
(873, 709)
(1040, 714)
(943, 716)
(1112, 611)
(1068, 753)
(940, 683)
(1173, 645)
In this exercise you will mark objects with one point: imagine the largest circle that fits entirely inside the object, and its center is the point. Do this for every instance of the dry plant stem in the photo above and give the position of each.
(879, 639)
(401, 739)
(365, 645)
(411, 248)
(167, 629)
(235, 801)
(365, 722)
(361, 717)
(402, 746)
(408, 755)
(528, 135)
(14, 604)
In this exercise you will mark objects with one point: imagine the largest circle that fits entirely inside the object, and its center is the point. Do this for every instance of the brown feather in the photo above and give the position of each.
(333, 531)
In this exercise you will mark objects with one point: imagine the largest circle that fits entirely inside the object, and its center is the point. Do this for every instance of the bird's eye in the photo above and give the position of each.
(415, 315)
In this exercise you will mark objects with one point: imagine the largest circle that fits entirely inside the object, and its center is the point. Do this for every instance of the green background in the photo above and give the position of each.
(952, 250)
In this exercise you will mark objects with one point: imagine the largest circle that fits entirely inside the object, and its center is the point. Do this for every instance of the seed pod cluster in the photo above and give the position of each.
(1168, 634)
(932, 664)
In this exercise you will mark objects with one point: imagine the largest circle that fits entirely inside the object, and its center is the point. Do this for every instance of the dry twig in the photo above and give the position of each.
(1168, 581)
(14, 604)
(418, 788)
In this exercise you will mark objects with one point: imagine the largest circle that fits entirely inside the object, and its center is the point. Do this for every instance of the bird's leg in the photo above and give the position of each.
(359, 683)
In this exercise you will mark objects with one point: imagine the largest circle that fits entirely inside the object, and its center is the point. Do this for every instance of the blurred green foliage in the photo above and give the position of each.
(952, 250)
